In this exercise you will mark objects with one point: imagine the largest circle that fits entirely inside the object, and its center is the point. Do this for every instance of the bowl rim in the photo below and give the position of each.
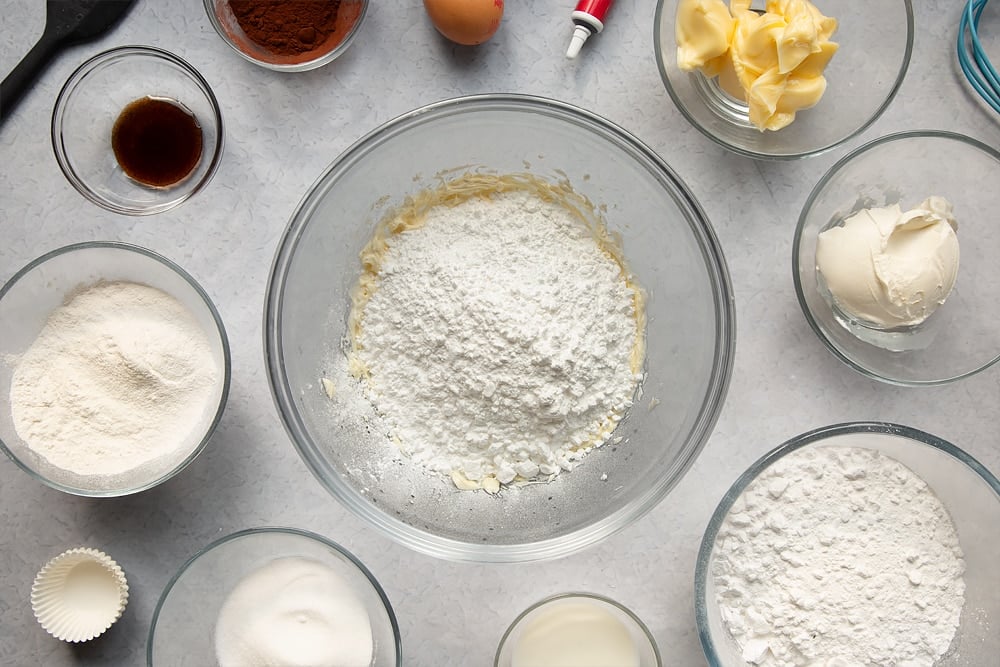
(760, 155)
(425, 541)
(704, 557)
(220, 331)
(270, 530)
(319, 61)
(74, 80)
(814, 194)
(586, 595)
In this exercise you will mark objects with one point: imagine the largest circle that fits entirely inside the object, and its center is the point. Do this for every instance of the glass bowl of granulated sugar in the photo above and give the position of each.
(273, 596)
(499, 328)
(114, 369)
(854, 544)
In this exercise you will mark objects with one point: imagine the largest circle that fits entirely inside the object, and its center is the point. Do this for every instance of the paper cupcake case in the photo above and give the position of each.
(79, 594)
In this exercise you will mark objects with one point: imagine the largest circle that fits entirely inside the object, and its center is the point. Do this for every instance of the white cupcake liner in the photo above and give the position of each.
(79, 594)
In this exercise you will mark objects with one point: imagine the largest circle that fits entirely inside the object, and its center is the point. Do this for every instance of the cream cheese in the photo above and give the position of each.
(891, 268)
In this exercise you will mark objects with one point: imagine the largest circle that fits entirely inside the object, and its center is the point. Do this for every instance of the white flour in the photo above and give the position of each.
(121, 376)
(499, 338)
(839, 557)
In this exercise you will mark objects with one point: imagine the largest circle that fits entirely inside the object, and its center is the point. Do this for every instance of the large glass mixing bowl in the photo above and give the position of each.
(668, 244)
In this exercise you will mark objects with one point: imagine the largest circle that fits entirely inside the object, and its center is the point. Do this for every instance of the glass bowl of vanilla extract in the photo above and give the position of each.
(137, 130)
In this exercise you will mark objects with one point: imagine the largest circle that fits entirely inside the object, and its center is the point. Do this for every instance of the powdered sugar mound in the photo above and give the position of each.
(839, 556)
(499, 338)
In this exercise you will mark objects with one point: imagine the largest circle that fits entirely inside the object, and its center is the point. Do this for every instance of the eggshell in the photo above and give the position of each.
(468, 22)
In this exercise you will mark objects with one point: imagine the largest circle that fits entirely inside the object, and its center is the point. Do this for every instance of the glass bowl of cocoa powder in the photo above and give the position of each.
(287, 35)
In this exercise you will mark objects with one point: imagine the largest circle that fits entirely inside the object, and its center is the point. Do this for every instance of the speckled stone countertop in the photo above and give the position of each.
(282, 131)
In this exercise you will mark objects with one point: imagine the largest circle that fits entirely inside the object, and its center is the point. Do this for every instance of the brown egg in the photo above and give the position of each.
(467, 22)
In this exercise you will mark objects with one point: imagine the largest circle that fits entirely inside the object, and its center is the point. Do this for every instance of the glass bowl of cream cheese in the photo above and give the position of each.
(536, 320)
(857, 543)
(782, 79)
(893, 258)
(274, 596)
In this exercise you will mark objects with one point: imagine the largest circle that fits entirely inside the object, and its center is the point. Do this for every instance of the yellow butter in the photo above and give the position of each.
(773, 60)
(703, 30)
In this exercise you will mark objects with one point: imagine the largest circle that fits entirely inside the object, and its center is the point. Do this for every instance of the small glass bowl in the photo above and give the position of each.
(876, 40)
(959, 339)
(91, 101)
(183, 627)
(350, 15)
(26, 302)
(968, 491)
(642, 639)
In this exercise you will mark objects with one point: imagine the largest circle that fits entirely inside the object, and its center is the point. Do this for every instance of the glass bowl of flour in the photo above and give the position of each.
(858, 543)
(274, 596)
(114, 368)
(499, 328)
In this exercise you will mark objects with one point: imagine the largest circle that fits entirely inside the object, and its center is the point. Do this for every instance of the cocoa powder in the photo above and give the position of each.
(294, 30)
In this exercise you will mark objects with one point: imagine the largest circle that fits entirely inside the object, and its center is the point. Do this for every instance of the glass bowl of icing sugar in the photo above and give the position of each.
(469, 289)
(859, 543)
(114, 369)
(274, 596)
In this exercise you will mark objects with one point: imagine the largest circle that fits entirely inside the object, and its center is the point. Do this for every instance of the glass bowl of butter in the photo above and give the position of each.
(782, 79)
(894, 258)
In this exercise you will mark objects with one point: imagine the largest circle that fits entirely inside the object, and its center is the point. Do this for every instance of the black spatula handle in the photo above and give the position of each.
(22, 77)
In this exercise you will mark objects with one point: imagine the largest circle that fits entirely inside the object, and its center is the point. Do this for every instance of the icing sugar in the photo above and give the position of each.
(839, 557)
(498, 339)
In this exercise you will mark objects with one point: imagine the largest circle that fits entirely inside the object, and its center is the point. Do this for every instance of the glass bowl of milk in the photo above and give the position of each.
(577, 630)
